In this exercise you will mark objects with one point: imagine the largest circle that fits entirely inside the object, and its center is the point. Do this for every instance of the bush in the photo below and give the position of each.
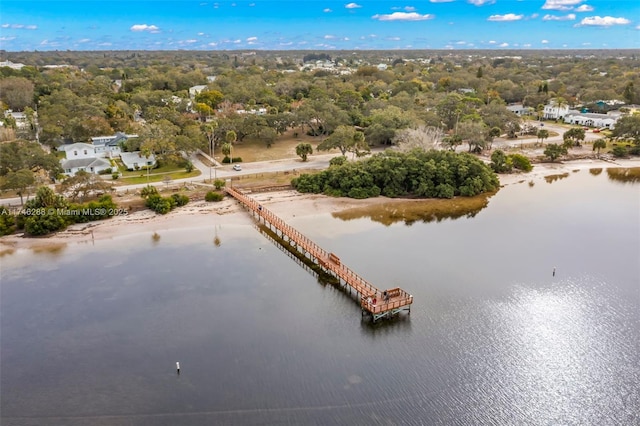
(7, 221)
(160, 204)
(218, 183)
(115, 175)
(188, 167)
(619, 151)
(180, 199)
(148, 191)
(106, 171)
(521, 162)
(227, 160)
(338, 161)
(213, 196)
(635, 150)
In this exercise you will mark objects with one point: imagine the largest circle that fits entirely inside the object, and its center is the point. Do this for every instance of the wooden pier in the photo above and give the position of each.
(374, 302)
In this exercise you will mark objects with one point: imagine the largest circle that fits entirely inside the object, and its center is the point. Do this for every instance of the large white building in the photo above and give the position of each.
(553, 111)
(591, 119)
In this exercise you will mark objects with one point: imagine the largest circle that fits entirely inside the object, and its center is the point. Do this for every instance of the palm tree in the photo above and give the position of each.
(542, 135)
(598, 145)
(231, 138)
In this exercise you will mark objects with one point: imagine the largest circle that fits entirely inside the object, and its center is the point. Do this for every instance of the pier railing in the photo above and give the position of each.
(372, 300)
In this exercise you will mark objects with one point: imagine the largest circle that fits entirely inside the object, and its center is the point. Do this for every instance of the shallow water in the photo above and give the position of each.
(90, 334)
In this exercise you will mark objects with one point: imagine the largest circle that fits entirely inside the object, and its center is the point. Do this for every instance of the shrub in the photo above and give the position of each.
(7, 221)
(521, 162)
(105, 171)
(160, 204)
(619, 151)
(213, 196)
(180, 199)
(218, 183)
(338, 161)
(188, 167)
(227, 160)
(115, 175)
(148, 191)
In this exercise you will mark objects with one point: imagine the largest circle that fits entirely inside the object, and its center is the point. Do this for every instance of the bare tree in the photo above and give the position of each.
(422, 137)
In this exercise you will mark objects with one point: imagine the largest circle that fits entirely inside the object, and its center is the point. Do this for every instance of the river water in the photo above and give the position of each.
(90, 334)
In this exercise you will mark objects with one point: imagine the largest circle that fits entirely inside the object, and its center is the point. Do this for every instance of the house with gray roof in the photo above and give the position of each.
(592, 119)
(136, 161)
(88, 164)
(110, 146)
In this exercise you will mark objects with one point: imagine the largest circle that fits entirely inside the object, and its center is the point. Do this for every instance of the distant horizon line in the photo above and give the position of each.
(3, 51)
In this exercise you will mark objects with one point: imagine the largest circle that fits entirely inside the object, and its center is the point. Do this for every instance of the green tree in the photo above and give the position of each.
(19, 181)
(303, 150)
(573, 137)
(554, 151)
(345, 138)
(83, 184)
(210, 98)
(7, 221)
(628, 128)
(542, 135)
(500, 162)
(598, 145)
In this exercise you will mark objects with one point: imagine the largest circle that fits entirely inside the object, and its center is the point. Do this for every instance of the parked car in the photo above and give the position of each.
(596, 130)
(237, 167)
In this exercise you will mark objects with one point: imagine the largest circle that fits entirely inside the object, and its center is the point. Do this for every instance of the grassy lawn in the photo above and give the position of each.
(141, 176)
(284, 147)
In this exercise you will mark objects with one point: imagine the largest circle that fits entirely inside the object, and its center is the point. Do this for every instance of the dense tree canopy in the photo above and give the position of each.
(432, 174)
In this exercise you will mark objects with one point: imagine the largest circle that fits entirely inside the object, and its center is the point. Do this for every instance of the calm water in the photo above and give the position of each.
(91, 333)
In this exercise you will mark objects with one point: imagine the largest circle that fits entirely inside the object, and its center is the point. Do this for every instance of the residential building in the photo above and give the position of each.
(591, 119)
(110, 146)
(553, 111)
(136, 161)
(520, 109)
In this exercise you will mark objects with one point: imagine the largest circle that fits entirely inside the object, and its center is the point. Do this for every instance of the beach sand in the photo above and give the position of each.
(286, 204)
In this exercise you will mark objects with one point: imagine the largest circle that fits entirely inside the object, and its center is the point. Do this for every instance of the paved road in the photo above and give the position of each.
(314, 162)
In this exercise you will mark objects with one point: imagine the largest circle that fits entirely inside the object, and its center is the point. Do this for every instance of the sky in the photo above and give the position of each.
(27, 25)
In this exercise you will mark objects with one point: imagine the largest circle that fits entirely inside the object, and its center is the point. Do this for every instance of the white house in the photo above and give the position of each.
(553, 111)
(135, 161)
(19, 117)
(82, 156)
(520, 109)
(88, 164)
(591, 119)
(193, 91)
(110, 146)
(78, 150)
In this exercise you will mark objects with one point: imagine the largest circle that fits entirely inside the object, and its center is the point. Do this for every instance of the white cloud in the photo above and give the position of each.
(144, 27)
(327, 10)
(441, 1)
(534, 16)
(403, 16)
(507, 17)
(544, 41)
(604, 21)
(584, 8)
(84, 40)
(569, 17)
(394, 38)
(481, 2)
(20, 26)
(560, 4)
(252, 38)
(409, 8)
(492, 42)
(352, 6)
(329, 37)
(638, 27)
(504, 45)
(213, 44)
(526, 45)
(200, 34)
(7, 38)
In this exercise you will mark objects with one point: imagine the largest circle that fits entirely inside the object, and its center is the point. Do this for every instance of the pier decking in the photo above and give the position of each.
(374, 302)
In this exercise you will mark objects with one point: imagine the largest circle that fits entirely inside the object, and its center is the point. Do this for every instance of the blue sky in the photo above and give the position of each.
(27, 25)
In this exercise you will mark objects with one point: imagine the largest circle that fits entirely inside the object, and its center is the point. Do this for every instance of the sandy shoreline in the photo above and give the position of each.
(286, 204)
